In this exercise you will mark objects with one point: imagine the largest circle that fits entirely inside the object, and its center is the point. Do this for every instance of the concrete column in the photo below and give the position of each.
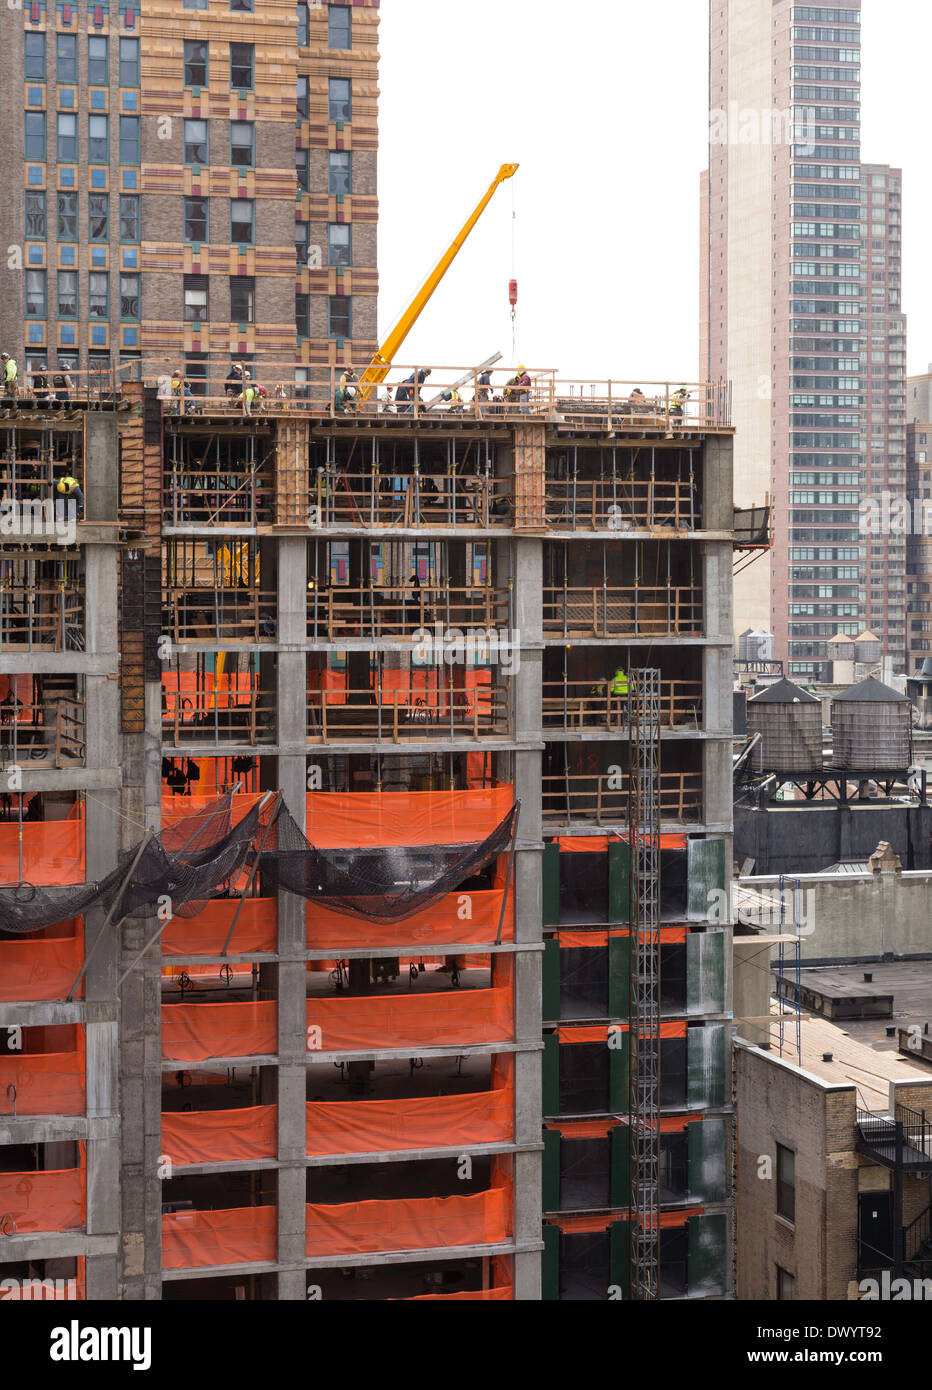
(101, 475)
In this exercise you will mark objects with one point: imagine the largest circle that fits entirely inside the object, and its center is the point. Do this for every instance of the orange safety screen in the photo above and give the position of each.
(355, 820)
(667, 934)
(596, 1033)
(50, 1200)
(50, 1083)
(196, 1032)
(53, 852)
(63, 1290)
(40, 967)
(583, 844)
(458, 918)
(474, 1296)
(374, 1126)
(573, 939)
(584, 1129)
(196, 1239)
(219, 1136)
(414, 1019)
(424, 1223)
(256, 929)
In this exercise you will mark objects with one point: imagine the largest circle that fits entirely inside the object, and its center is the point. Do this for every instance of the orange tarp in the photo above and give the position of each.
(203, 935)
(219, 1136)
(196, 1239)
(373, 1126)
(328, 930)
(413, 1020)
(53, 852)
(40, 968)
(424, 1223)
(44, 1201)
(474, 1296)
(346, 820)
(50, 1083)
(196, 1032)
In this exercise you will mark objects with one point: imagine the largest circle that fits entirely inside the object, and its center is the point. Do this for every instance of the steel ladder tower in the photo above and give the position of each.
(644, 1018)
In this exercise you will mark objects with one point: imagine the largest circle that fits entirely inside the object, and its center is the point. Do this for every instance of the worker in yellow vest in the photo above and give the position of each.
(618, 692)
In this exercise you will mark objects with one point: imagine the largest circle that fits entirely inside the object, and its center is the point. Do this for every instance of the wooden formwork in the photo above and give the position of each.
(292, 485)
(530, 470)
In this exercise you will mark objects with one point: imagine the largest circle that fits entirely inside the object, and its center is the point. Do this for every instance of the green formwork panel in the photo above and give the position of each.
(551, 1074)
(618, 1056)
(550, 1264)
(550, 890)
(550, 981)
(551, 1170)
(619, 976)
(619, 1236)
(705, 874)
(706, 1268)
(620, 1192)
(619, 882)
(705, 972)
(706, 1170)
(705, 1065)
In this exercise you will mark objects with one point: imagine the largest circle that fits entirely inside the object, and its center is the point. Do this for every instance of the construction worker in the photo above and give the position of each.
(637, 402)
(345, 395)
(9, 374)
(483, 389)
(40, 386)
(618, 693)
(680, 398)
(453, 398)
(517, 391)
(69, 488)
(248, 394)
(181, 391)
(63, 385)
(234, 382)
(409, 389)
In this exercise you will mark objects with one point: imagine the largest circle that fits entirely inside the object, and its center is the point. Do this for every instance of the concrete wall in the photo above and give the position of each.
(806, 839)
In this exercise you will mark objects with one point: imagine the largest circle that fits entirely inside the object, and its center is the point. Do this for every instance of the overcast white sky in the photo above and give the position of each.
(604, 105)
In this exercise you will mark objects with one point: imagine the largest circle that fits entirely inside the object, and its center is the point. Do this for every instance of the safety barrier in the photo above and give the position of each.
(42, 853)
(603, 797)
(34, 968)
(50, 730)
(622, 611)
(43, 1200)
(424, 1223)
(48, 1083)
(600, 504)
(469, 917)
(442, 708)
(575, 706)
(403, 611)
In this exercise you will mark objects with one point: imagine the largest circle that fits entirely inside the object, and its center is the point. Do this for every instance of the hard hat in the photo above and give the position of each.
(522, 368)
(4, 355)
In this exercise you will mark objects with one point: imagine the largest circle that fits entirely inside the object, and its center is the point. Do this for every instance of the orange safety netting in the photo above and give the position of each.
(219, 1136)
(256, 928)
(373, 1126)
(584, 1129)
(52, 852)
(198, 1239)
(40, 967)
(355, 820)
(474, 1296)
(573, 939)
(592, 1033)
(196, 1032)
(413, 1020)
(50, 1083)
(49, 1200)
(425, 1223)
(459, 917)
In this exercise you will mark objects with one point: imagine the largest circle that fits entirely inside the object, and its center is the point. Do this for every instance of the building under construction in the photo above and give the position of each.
(364, 930)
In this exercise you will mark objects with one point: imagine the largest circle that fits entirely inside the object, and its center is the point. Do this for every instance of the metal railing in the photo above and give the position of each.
(48, 730)
(578, 706)
(224, 715)
(630, 611)
(581, 504)
(44, 616)
(917, 1235)
(217, 497)
(413, 499)
(400, 716)
(603, 798)
(402, 611)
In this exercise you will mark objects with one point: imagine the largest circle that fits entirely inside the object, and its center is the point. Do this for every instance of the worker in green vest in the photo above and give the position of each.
(618, 691)
(69, 487)
(9, 367)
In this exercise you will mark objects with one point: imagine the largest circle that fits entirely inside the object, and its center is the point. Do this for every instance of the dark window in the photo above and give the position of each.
(673, 1071)
(300, 242)
(786, 1183)
(67, 294)
(66, 58)
(242, 6)
(98, 294)
(340, 243)
(34, 61)
(339, 27)
(302, 167)
(197, 219)
(303, 25)
(242, 299)
(129, 62)
(195, 298)
(241, 221)
(302, 315)
(673, 976)
(674, 1167)
(67, 216)
(67, 128)
(196, 143)
(302, 98)
(194, 4)
(341, 316)
(786, 1285)
(98, 61)
(98, 216)
(98, 139)
(129, 296)
(242, 144)
(674, 1253)
(583, 888)
(129, 216)
(35, 294)
(241, 65)
(35, 135)
(585, 1166)
(584, 981)
(195, 62)
(339, 172)
(585, 1271)
(129, 139)
(340, 100)
(584, 1078)
(35, 214)
(195, 373)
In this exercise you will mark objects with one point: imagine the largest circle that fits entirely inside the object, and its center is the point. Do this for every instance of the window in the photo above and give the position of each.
(339, 172)
(98, 62)
(67, 294)
(66, 58)
(195, 373)
(197, 219)
(98, 216)
(302, 168)
(98, 139)
(302, 316)
(129, 217)
(786, 1284)
(196, 145)
(35, 214)
(35, 294)
(303, 23)
(129, 62)
(339, 27)
(129, 296)
(98, 295)
(129, 139)
(241, 65)
(195, 299)
(34, 59)
(302, 98)
(67, 216)
(34, 141)
(195, 63)
(242, 144)
(194, 4)
(340, 101)
(339, 244)
(242, 6)
(786, 1183)
(67, 127)
(242, 299)
(340, 316)
(300, 242)
(241, 213)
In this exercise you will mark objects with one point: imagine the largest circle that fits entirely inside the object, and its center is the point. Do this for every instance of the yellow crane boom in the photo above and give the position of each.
(378, 368)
